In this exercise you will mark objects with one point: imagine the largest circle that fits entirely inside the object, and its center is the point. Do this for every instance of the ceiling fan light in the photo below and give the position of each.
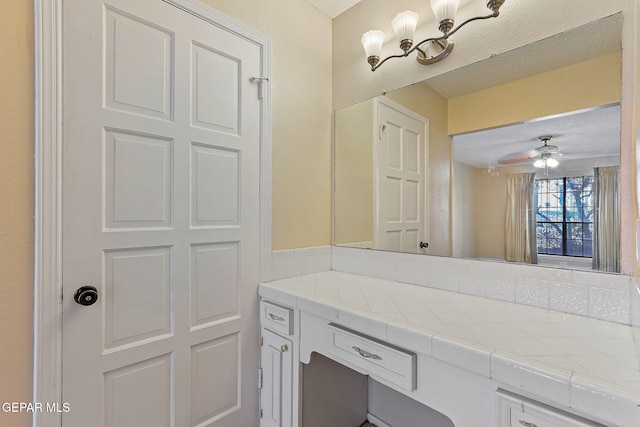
(539, 163)
(552, 163)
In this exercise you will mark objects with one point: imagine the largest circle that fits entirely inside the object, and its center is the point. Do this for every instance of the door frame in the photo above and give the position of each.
(47, 313)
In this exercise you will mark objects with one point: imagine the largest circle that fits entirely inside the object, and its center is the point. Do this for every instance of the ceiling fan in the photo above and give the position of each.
(545, 154)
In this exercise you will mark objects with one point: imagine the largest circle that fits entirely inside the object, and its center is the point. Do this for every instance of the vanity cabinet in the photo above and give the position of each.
(276, 360)
(278, 367)
(328, 362)
(518, 411)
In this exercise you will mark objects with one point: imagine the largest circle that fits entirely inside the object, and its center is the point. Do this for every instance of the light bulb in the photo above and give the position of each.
(539, 163)
(552, 163)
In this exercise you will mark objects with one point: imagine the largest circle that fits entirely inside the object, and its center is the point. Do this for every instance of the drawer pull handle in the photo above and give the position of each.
(276, 318)
(368, 355)
(527, 424)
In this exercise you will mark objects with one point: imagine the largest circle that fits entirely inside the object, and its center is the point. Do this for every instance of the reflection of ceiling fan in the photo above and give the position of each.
(545, 155)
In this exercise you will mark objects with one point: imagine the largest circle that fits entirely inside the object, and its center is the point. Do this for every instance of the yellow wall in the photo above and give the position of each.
(16, 206)
(354, 200)
(463, 199)
(587, 84)
(301, 88)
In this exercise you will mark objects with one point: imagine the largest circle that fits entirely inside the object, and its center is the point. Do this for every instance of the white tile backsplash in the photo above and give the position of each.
(604, 296)
(296, 262)
(569, 298)
(599, 295)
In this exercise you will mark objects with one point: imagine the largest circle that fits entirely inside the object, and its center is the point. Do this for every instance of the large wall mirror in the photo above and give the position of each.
(512, 159)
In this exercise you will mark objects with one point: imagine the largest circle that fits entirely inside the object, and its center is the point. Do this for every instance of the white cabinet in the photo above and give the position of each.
(518, 411)
(276, 400)
(279, 379)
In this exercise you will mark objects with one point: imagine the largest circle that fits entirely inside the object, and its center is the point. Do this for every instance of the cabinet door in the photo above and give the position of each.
(277, 386)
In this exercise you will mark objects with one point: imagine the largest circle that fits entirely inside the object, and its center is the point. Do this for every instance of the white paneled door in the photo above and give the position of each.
(401, 179)
(160, 215)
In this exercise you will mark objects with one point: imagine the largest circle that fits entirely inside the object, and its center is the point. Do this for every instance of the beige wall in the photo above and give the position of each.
(301, 89)
(16, 206)
(354, 196)
(463, 201)
(587, 84)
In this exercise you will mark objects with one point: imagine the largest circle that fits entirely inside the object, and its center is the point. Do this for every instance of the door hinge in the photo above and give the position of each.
(260, 413)
(382, 129)
(259, 378)
(261, 341)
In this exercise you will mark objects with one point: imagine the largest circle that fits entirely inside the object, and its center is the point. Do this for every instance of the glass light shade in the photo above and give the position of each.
(372, 41)
(539, 163)
(445, 9)
(404, 25)
(546, 162)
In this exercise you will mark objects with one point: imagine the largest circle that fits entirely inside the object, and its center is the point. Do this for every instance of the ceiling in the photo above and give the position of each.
(333, 8)
(580, 44)
(585, 134)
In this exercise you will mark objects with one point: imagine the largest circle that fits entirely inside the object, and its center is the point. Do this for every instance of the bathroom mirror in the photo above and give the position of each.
(426, 168)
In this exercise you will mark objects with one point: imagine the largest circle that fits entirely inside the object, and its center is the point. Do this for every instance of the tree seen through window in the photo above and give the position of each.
(564, 216)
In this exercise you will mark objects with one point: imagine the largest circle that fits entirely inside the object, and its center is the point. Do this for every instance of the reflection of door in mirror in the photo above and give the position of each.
(401, 218)
(382, 151)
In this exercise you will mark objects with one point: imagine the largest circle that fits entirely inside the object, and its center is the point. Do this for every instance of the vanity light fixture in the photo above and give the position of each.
(404, 25)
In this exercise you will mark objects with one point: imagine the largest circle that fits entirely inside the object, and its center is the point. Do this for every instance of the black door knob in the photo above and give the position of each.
(424, 245)
(86, 295)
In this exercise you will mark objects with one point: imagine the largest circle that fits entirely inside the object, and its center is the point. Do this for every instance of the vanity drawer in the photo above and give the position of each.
(518, 411)
(375, 357)
(278, 319)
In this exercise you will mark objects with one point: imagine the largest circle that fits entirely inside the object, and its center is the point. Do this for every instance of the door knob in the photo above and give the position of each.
(86, 295)
(424, 245)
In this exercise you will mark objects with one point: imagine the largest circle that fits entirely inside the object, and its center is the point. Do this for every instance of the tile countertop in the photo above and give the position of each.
(590, 365)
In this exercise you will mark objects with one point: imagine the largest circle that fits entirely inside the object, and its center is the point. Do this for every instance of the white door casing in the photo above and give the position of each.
(401, 178)
(142, 206)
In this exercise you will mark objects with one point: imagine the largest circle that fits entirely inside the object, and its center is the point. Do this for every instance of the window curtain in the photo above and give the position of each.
(606, 219)
(520, 228)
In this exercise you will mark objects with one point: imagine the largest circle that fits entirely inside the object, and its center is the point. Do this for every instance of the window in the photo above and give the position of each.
(564, 216)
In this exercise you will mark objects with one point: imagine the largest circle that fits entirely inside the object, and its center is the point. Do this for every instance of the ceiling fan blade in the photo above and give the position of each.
(516, 158)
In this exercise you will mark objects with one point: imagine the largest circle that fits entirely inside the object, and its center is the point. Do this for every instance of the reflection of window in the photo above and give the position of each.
(564, 216)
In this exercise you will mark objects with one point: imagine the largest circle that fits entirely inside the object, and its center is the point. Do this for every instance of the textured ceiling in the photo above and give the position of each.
(333, 8)
(587, 134)
(580, 44)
